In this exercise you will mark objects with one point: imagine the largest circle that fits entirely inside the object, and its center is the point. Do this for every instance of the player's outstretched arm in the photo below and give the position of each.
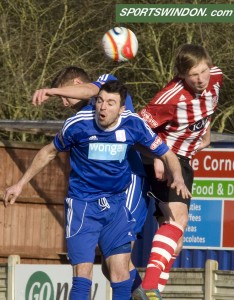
(173, 167)
(159, 170)
(42, 158)
(79, 91)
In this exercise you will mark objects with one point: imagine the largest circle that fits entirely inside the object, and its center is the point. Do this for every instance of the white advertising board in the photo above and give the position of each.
(53, 282)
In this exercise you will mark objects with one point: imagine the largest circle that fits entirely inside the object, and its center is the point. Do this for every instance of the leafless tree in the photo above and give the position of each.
(38, 38)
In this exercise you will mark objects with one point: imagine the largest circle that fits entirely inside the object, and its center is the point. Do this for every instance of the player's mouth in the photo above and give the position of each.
(202, 86)
(101, 117)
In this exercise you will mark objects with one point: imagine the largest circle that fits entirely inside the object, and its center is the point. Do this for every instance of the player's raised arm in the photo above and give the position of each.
(81, 91)
(42, 95)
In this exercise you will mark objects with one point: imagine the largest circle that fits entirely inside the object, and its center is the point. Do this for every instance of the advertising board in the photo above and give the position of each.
(53, 282)
(211, 216)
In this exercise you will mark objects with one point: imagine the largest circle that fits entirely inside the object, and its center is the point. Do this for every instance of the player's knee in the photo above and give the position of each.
(182, 220)
(83, 270)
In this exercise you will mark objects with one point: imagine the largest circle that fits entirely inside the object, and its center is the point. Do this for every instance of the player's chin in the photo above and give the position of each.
(201, 88)
(102, 123)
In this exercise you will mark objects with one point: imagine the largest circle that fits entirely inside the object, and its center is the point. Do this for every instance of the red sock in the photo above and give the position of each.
(164, 276)
(163, 246)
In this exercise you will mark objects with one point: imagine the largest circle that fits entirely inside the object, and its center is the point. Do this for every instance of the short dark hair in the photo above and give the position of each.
(115, 86)
(69, 73)
(189, 56)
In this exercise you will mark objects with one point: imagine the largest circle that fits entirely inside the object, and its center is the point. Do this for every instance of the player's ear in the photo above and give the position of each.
(77, 80)
(122, 109)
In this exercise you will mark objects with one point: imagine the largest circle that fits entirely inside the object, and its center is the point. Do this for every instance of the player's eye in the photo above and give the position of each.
(204, 70)
(193, 75)
(98, 100)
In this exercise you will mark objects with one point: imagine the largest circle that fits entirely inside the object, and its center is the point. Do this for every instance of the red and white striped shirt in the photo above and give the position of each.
(180, 116)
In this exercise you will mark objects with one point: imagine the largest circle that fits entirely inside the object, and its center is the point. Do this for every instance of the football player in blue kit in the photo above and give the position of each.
(75, 80)
(98, 138)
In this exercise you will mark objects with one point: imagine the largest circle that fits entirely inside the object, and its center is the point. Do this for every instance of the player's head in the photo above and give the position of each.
(110, 103)
(192, 63)
(70, 76)
(189, 56)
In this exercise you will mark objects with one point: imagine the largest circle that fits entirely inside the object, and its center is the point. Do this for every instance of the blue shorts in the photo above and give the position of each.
(105, 222)
(137, 201)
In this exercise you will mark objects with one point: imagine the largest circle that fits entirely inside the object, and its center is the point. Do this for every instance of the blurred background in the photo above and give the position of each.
(38, 38)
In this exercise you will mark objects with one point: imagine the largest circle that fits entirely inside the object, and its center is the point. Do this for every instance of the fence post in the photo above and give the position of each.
(108, 291)
(12, 261)
(210, 267)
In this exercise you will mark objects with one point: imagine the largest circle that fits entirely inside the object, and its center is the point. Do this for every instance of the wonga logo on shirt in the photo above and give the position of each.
(107, 151)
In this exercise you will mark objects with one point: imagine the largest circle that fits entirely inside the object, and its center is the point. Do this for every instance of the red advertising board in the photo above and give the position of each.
(216, 163)
(228, 224)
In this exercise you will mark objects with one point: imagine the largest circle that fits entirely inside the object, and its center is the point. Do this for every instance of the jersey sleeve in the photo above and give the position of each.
(63, 140)
(161, 108)
(156, 115)
(217, 74)
(216, 81)
(150, 139)
(128, 103)
(103, 79)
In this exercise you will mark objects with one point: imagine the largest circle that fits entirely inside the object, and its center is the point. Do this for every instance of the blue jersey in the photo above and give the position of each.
(98, 157)
(133, 156)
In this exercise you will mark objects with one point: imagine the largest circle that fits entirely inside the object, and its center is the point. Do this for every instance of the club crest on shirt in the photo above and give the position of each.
(156, 143)
(199, 125)
(120, 135)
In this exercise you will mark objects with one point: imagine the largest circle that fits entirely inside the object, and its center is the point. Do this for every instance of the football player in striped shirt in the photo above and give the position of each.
(181, 115)
(99, 138)
(73, 86)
